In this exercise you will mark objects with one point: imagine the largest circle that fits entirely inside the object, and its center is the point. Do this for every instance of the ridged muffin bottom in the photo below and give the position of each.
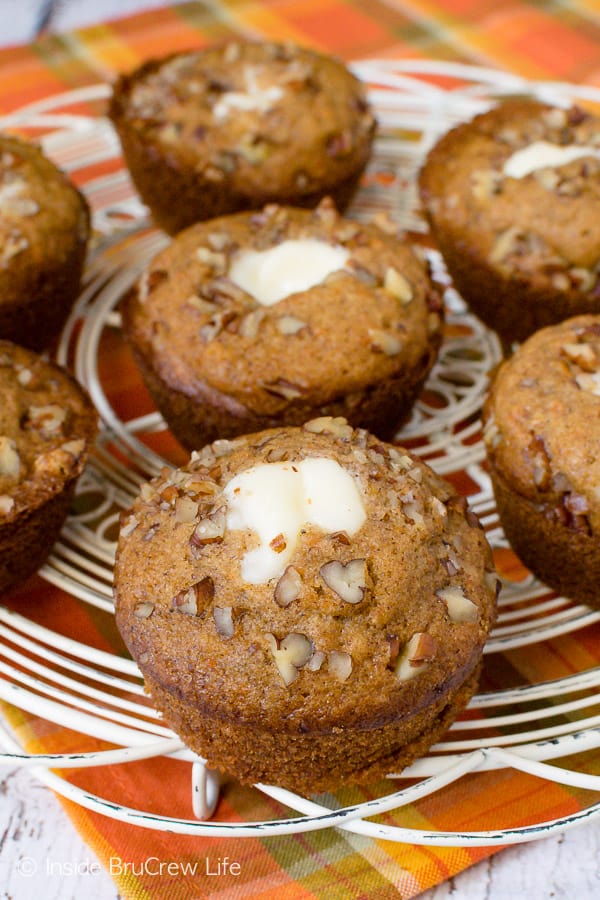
(566, 560)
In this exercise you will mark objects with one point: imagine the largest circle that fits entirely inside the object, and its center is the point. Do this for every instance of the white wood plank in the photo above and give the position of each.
(561, 867)
(41, 853)
(70, 14)
(18, 20)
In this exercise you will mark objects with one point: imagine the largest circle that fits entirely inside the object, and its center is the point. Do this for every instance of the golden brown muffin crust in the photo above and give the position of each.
(310, 131)
(47, 424)
(543, 419)
(362, 326)
(415, 543)
(523, 251)
(551, 212)
(44, 228)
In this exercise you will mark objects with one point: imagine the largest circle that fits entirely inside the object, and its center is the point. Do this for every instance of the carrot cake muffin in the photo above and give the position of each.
(512, 200)
(261, 319)
(542, 432)
(308, 605)
(213, 131)
(44, 229)
(47, 425)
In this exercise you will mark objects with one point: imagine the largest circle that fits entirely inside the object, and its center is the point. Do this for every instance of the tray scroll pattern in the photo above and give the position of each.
(101, 695)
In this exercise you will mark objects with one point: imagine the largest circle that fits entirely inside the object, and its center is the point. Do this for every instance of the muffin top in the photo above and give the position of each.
(42, 215)
(47, 424)
(523, 180)
(304, 577)
(541, 420)
(233, 110)
(358, 306)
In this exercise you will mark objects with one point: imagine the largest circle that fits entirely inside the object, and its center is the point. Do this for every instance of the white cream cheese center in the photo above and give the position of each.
(543, 154)
(287, 268)
(253, 98)
(275, 500)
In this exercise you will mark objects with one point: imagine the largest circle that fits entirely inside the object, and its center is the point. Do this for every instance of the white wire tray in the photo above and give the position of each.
(100, 694)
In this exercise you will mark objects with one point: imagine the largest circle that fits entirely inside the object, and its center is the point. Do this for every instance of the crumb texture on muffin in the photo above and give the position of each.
(341, 659)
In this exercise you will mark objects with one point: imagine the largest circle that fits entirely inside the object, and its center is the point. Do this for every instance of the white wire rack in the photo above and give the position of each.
(100, 694)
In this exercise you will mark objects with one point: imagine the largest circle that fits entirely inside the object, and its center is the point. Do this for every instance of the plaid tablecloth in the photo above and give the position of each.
(540, 40)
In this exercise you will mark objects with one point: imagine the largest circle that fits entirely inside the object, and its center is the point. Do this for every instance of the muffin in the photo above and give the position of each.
(228, 128)
(512, 200)
(308, 606)
(47, 426)
(542, 433)
(260, 319)
(44, 229)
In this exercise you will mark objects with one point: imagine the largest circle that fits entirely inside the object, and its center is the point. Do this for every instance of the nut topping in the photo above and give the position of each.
(250, 323)
(185, 602)
(397, 285)
(48, 419)
(290, 325)
(340, 664)
(460, 608)
(384, 342)
(555, 117)
(581, 354)
(589, 381)
(221, 447)
(128, 527)
(218, 240)
(400, 461)
(316, 661)
(337, 425)
(209, 530)
(394, 647)
(288, 587)
(75, 448)
(143, 610)
(193, 599)
(493, 582)
(505, 244)
(416, 656)
(186, 509)
(412, 508)
(283, 388)
(348, 581)
(6, 504)
(211, 258)
(13, 244)
(223, 621)
(486, 182)
(199, 303)
(215, 325)
(290, 654)
(10, 463)
(575, 503)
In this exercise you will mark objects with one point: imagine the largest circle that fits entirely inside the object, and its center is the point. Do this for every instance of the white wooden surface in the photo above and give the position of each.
(42, 856)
